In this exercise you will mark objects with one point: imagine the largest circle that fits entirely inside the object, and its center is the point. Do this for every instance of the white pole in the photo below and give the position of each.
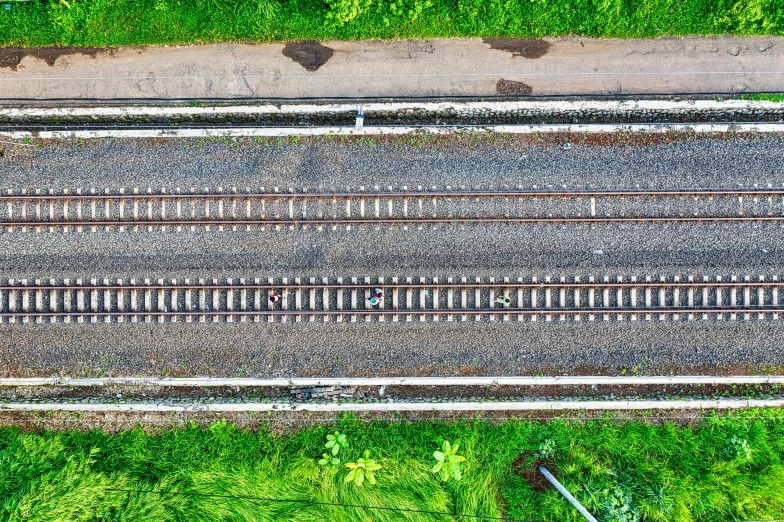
(573, 501)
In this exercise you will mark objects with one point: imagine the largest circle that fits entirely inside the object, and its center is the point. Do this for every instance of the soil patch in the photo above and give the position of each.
(11, 57)
(526, 465)
(530, 49)
(309, 54)
(511, 88)
(282, 423)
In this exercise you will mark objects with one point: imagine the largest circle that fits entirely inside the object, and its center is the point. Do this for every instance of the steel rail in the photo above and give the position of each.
(396, 221)
(387, 286)
(424, 194)
(408, 311)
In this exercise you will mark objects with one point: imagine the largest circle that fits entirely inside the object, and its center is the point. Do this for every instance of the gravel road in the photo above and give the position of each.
(472, 250)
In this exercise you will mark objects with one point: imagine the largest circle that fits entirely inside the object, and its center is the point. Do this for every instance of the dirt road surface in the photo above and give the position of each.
(411, 68)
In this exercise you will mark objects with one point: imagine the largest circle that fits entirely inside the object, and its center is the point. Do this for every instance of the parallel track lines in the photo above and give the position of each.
(654, 298)
(175, 208)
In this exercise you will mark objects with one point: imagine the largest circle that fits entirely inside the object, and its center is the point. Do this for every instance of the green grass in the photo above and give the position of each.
(762, 97)
(661, 473)
(139, 22)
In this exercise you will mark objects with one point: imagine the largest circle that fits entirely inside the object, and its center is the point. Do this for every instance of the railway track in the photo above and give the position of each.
(396, 299)
(232, 208)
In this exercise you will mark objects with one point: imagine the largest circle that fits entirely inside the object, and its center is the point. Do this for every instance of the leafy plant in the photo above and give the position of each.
(407, 10)
(327, 459)
(546, 449)
(735, 446)
(361, 469)
(335, 442)
(448, 461)
(342, 12)
(617, 506)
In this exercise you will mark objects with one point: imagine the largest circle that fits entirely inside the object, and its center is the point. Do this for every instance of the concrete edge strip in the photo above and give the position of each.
(398, 381)
(282, 132)
(696, 106)
(719, 404)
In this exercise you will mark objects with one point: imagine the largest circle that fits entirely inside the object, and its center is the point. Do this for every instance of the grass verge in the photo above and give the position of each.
(728, 468)
(133, 22)
(762, 97)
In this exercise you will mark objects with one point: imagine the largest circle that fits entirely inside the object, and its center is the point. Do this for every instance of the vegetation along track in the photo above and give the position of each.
(175, 207)
(352, 299)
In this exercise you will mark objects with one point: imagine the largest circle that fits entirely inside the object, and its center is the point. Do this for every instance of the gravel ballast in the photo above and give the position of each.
(443, 348)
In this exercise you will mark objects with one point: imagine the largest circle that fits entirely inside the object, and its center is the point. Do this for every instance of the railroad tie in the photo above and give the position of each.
(230, 300)
(576, 297)
(436, 303)
(107, 301)
(325, 298)
(66, 301)
(215, 300)
(395, 298)
(382, 300)
(243, 299)
(120, 301)
(422, 299)
(161, 303)
(285, 299)
(188, 300)
(94, 301)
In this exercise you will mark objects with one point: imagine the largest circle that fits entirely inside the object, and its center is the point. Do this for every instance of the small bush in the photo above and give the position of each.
(342, 12)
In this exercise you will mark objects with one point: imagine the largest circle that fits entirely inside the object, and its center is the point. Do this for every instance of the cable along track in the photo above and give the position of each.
(177, 208)
(402, 299)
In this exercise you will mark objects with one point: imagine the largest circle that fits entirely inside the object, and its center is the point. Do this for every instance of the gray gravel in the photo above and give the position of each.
(372, 349)
(192, 163)
(475, 250)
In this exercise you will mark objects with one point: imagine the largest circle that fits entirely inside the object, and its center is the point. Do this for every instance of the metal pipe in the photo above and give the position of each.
(573, 501)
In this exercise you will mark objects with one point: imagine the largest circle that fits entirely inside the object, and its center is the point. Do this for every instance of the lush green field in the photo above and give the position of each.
(725, 469)
(137, 22)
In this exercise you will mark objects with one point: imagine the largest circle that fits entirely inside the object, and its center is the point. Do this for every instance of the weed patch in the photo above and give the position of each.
(105, 23)
(722, 468)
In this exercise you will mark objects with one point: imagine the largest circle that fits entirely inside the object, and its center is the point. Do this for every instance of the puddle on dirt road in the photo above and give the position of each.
(530, 49)
(511, 88)
(11, 57)
(310, 54)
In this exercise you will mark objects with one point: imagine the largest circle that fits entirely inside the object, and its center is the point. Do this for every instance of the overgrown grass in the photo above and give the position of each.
(762, 97)
(726, 469)
(139, 22)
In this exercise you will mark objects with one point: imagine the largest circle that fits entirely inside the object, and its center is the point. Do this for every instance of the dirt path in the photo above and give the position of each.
(468, 67)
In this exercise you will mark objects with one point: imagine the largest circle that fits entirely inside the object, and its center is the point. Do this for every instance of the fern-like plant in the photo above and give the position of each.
(448, 462)
(362, 469)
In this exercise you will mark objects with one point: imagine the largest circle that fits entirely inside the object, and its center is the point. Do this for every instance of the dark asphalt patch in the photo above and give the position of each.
(511, 88)
(310, 54)
(11, 57)
(530, 49)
